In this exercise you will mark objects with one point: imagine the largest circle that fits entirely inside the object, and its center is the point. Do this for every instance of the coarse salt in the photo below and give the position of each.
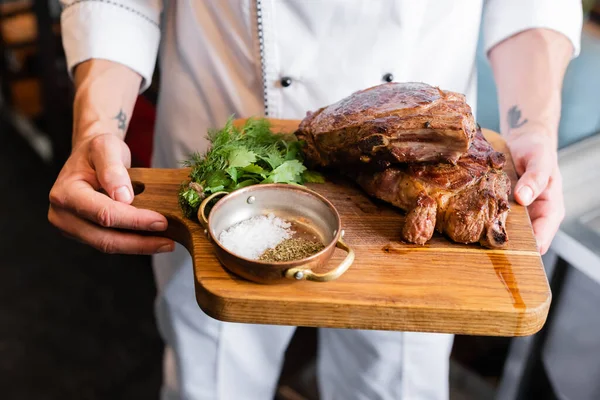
(252, 237)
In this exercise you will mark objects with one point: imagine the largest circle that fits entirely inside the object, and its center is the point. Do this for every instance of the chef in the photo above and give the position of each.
(280, 59)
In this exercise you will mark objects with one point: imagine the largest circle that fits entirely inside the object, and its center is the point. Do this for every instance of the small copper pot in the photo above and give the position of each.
(291, 202)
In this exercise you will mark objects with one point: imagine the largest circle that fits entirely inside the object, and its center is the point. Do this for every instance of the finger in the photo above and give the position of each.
(534, 181)
(107, 240)
(109, 156)
(83, 200)
(547, 213)
(545, 229)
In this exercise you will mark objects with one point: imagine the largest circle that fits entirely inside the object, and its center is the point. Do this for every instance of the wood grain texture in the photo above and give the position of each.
(439, 287)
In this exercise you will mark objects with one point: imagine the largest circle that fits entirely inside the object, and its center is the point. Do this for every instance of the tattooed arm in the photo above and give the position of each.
(529, 68)
(106, 92)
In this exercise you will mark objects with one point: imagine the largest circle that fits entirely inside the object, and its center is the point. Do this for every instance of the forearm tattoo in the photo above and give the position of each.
(513, 117)
(121, 120)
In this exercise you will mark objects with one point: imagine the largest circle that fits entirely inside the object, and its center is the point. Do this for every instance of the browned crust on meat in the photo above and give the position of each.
(400, 122)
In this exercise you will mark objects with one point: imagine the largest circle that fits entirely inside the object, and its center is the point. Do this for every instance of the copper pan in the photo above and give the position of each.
(291, 202)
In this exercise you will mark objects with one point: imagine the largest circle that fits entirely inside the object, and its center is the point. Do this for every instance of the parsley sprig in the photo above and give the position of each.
(240, 157)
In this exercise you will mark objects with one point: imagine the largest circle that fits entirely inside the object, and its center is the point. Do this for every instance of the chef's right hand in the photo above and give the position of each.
(80, 211)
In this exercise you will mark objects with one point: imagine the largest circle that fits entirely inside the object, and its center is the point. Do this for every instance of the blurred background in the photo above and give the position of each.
(75, 323)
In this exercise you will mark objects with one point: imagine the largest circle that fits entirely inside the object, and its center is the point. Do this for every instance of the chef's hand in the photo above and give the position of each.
(79, 210)
(540, 184)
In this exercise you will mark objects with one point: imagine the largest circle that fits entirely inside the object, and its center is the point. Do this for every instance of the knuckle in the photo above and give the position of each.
(135, 224)
(141, 250)
(104, 217)
(57, 197)
(107, 245)
(109, 173)
(539, 179)
(98, 142)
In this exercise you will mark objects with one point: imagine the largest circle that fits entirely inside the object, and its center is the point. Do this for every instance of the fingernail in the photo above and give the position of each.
(166, 248)
(526, 194)
(158, 226)
(123, 194)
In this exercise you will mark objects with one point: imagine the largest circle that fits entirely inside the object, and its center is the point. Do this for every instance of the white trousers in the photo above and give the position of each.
(206, 359)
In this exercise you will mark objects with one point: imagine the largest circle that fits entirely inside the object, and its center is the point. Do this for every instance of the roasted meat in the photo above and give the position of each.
(417, 147)
(467, 201)
(390, 123)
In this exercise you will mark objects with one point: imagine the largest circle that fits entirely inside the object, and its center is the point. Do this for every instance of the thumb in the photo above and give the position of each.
(110, 157)
(534, 180)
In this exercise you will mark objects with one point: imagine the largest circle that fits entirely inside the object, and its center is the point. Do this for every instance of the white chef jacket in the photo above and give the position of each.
(224, 57)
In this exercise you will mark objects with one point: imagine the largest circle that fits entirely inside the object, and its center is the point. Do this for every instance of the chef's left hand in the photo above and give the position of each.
(540, 183)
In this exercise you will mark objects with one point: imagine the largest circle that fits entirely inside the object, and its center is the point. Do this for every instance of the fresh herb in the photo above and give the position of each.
(240, 157)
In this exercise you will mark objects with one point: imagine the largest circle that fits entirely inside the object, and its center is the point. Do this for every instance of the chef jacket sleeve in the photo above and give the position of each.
(123, 31)
(504, 18)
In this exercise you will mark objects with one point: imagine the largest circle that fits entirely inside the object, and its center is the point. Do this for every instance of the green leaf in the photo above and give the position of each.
(217, 179)
(191, 197)
(241, 157)
(233, 173)
(273, 158)
(247, 182)
(254, 169)
(289, 171)
(215, 189)
(312, 177)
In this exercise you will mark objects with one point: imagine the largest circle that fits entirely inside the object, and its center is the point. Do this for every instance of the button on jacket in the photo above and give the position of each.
(282, 58)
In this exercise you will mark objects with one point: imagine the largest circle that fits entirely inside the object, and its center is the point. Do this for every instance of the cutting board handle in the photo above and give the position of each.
(156, 189)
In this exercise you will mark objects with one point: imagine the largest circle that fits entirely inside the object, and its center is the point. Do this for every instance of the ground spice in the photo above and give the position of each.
(291, 250)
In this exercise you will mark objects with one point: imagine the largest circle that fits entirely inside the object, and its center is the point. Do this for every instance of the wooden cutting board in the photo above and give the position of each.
(439, 287)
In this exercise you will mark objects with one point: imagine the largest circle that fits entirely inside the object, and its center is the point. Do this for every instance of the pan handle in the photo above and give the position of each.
(298, 273)
(201, 210)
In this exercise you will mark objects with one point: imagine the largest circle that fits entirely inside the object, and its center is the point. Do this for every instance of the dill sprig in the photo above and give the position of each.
(240, 157)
